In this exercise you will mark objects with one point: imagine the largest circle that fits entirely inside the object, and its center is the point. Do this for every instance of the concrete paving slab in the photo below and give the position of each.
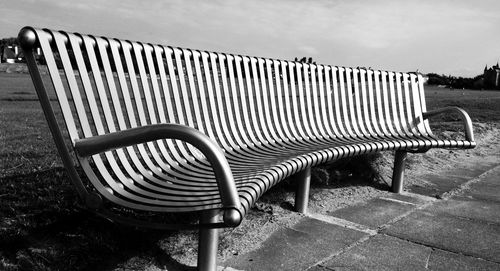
(444, 231)
(441, 260)
(487, 189)
(374, 213)
(297, 248)
(382, 252)
(481, 210)
(449, 180)
(438, 185)
(472, 171)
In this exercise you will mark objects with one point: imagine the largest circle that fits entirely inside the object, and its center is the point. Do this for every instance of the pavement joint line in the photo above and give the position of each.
(349, 247)
(418, 196)
(405, 214)
(440, 248)
(428, 259)
(344, 223)
(399, 201)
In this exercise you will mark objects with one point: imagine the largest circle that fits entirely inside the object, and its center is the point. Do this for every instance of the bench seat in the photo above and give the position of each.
(192, 184)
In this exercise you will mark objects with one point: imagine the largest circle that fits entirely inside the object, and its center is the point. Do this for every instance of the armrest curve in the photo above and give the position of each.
(223, 174)
(469, 133)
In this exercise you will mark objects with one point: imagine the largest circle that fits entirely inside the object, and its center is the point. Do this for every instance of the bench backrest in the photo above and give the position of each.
(105, 84)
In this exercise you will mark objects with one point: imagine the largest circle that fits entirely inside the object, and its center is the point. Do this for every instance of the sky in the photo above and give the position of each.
(447, 37)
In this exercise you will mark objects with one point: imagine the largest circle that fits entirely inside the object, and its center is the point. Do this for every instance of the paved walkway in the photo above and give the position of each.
(452, 225)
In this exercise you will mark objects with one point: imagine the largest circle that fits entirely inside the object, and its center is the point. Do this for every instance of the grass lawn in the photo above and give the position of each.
(43, 228)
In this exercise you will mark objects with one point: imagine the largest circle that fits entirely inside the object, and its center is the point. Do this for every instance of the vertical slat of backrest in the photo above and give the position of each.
(246, 126)
(275, 99)
(152, 52)
(408, 102)
(257, 101)
(266, 92)
(128, 49)
(337, 86)
(316, 101)
(102, 46)
(62, 98)
(235, 83)
(90, 45)
(379, 96)
(160, 53)
(388, 118)
(134, 87)
(302, 75)
(231, 101)
(401, 106)
(172, 100)
(287, 97)
(189, 58)
(417, 104)
(223, 100)
(322, 97)
(175, 72)
(394, 107)
(185, 103)
(182, 97)
(73, 87)
(212, 83)
(144, 104)
(306, 101)
(372, 97)
(204, 83)
(351, 106)
(296, 98)
(344, 93)
(331, 91)
(87, 85)
(365, 102)
(170, 89)
(360, 107)
(423, 104)
(198, 120)
(250, 101)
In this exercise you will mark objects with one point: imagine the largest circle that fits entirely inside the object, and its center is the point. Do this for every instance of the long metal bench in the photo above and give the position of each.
(163, 129)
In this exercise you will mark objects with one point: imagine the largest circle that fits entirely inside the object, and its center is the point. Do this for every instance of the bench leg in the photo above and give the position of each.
(208, 242)
(398, 172)
(303, 180)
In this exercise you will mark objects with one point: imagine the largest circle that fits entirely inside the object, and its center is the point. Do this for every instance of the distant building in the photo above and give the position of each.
(491, 77)
(9, 54)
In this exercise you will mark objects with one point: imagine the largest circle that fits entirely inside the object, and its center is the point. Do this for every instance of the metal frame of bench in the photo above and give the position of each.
(164, 129)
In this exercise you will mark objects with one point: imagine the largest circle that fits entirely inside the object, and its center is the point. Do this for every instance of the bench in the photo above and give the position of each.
(160, 129)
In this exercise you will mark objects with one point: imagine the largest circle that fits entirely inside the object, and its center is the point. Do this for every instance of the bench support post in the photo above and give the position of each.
(208, 242)
(303, 180)
(398, 172)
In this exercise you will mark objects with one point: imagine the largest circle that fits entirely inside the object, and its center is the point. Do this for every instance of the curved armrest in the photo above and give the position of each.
(225, 181)
(469, 133)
